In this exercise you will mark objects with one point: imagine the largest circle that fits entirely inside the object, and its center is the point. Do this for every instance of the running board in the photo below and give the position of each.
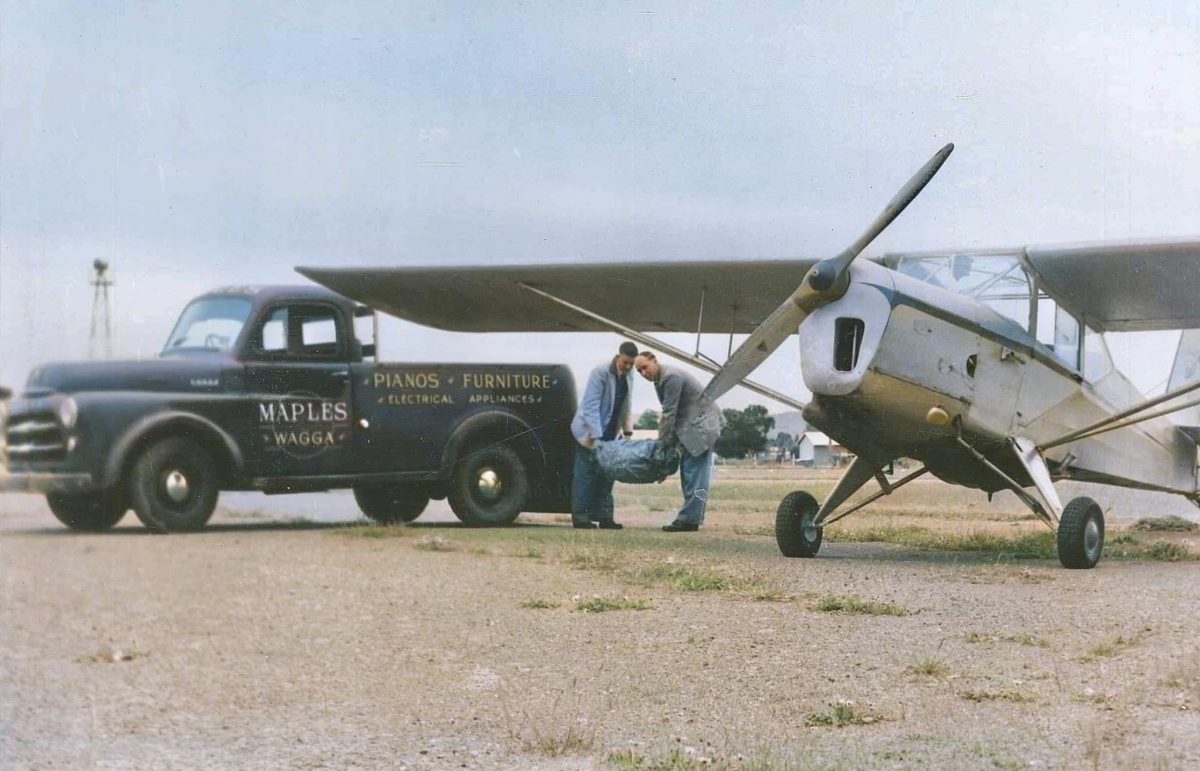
(696, 360)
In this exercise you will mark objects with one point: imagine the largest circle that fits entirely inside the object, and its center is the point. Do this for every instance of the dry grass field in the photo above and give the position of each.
(934, 630)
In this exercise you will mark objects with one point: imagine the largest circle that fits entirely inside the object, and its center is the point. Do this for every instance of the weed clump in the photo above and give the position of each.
(603, 604)
(839, 715)
(855, 604)
(1171, 524)
(538, 603)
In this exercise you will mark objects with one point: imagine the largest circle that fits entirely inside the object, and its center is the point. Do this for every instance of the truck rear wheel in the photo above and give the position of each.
(389, 504)
(174, 486)
(489, 487)
(88, 512)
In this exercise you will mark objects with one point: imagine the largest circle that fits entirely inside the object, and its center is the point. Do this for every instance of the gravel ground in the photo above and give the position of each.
(257, 644)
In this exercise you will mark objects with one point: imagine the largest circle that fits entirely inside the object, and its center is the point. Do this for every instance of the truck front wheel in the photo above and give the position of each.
(389, 504)
(489, 487)
(88, 512)
(174, 486)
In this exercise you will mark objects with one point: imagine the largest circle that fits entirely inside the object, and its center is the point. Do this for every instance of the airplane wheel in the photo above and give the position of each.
(1081, 534)
(795, 531)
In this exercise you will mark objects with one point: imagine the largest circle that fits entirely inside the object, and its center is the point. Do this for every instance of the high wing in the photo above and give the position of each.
(1125, 287)
(732, 296)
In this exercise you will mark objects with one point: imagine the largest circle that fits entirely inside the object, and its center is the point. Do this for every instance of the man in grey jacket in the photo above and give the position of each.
(603, 412)
(692, 424)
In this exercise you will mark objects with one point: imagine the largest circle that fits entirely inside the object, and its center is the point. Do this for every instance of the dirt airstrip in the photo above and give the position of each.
(306, 640)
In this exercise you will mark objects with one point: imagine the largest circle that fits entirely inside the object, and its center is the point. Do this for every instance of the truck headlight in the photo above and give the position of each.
(68, 412)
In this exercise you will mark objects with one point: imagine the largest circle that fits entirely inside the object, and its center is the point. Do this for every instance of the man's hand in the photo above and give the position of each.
(590, 442)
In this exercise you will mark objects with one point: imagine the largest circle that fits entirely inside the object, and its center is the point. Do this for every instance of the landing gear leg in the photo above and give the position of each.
(800, 523)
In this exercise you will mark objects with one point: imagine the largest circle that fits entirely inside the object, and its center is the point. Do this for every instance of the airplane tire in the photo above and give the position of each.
(174, 486)
(794, 529)
(1080, 534)
(489, 487)
(390, 504)
(88, 512)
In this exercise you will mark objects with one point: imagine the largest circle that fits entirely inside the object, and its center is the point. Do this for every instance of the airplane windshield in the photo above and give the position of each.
(208, 324)
(997, 281)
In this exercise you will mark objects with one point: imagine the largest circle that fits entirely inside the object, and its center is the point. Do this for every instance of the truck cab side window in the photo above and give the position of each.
(300, 331)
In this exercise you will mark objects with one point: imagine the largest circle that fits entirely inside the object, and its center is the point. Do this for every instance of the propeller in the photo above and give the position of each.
(824, 283)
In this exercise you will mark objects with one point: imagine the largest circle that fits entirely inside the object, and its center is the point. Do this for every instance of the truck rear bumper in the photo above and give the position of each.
(33, 482)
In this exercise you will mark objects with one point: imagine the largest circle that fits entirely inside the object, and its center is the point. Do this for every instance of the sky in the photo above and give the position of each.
(197, 145)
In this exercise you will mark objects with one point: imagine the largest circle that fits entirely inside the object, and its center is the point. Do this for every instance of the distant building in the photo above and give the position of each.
(815, 449)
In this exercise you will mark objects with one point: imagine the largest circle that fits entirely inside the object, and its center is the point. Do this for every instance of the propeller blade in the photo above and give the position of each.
(826, 282)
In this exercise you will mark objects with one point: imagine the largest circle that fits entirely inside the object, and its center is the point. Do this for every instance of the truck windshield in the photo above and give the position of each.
(208, 324)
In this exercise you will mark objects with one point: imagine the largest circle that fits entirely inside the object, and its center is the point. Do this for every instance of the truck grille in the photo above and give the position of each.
(34, 436)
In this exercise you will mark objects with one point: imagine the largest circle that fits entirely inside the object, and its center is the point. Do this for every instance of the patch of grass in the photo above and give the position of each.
(1024, 638)
(683, 577)
(676, 760)
(1171, 524)
(1108, 648)
(928, 668)
(435, 543)
(1121, 539)
(376, 531)
(1016, 697)
(1161, 551)
(529, 550)
(1037, 545)
(538, 603)
(603, 604)
(598, 560)
(573, 739)
(855, 604)
(773, 595)
(839, 715)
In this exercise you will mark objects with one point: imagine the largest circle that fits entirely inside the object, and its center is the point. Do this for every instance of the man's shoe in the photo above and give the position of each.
(584, 525)
(611, 526)
(680, 527)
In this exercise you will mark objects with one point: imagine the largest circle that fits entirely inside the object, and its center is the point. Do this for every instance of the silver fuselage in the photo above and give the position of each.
(880, 357)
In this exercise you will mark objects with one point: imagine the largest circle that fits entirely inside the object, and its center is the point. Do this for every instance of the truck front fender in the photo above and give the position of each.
(226, 453)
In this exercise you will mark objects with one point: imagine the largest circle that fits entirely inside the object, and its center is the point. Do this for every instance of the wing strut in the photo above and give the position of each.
(1123, 418)
(695, 360)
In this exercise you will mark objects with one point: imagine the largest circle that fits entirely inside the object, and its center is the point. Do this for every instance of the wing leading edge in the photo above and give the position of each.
(733, 296)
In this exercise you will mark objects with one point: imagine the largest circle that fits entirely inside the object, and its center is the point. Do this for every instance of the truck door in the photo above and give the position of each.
(298, 384)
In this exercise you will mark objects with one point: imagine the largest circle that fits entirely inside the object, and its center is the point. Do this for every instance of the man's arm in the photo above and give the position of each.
(627, 408)
(672, 389)
(589, 407)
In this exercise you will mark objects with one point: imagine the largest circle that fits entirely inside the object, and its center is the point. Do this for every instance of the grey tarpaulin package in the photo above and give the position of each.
(637, 462)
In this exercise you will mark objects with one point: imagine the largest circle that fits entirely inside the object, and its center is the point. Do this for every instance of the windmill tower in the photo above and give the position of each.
(100, 337)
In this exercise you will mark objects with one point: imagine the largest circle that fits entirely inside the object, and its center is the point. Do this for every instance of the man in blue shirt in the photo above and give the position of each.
(603, 412)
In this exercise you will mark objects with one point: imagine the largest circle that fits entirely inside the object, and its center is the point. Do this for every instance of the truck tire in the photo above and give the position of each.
(489, 487)
(173, 486)
(88, 512)
(389, 504)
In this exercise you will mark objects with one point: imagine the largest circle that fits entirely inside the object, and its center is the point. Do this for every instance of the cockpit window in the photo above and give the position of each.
(997, 281)
(208, 324)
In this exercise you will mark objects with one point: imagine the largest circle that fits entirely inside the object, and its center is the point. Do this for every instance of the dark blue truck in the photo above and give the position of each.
(268, 388)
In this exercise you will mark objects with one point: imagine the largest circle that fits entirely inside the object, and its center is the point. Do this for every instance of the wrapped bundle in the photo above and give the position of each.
(639, 462)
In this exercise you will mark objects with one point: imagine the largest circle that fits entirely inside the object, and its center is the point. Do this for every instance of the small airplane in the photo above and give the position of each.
(988, 367)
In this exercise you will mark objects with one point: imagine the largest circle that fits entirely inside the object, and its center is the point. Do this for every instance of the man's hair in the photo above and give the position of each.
(648, 355)
(628, 349)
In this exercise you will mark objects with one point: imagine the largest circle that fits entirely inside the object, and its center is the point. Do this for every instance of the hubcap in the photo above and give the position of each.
(176, 485)
(1091, 538)
(489, 484)
(809, 528)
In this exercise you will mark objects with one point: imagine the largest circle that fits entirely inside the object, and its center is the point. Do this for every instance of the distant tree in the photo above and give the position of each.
(745, 432)
(784, 440)
(649, 419)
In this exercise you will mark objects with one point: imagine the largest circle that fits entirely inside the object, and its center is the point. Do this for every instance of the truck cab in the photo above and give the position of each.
(271, 389)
